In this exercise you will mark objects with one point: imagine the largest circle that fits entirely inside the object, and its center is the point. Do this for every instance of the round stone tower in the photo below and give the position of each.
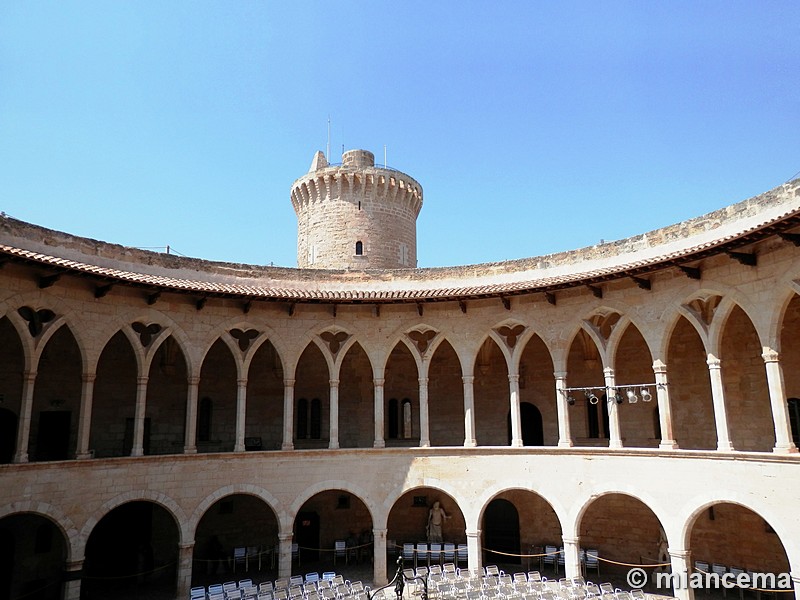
(357, 215)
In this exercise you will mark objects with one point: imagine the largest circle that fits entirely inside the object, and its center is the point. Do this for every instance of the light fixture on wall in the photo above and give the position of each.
(613, 393)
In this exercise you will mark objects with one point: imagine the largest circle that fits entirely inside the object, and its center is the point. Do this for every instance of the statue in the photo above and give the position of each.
(436, 517)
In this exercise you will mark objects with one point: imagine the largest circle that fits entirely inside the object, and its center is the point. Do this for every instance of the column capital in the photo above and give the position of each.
(473, 534)
(186, 546)
(513, 377)
(574, 541)
(713, 362)
(193, 381)
(88, 377)
(285, 537)
(468, 379)
(560, 375)
(73, 565)
(659, 368)
(770, 356)
(608, 371)
(334, 383)
(379, 532)
(423, 381)
(142, 380)
(288, 382)
(378, 382)
(29, 376)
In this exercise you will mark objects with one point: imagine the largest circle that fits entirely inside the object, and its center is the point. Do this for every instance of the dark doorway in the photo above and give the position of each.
(531, 425)
(8, 435)
(132, 548)
(307, 535)
(501, 532)
(52, 441)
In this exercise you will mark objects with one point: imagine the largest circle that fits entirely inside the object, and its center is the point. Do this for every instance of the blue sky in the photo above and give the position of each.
(533, 127)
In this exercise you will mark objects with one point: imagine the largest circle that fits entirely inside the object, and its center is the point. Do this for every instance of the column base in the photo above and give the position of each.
(190, 449)
(615, 444)
(287, 446)
(785, 450)
(85, 455)
(238, 448)
(21, 458)
(137, 452)
(379, 444)
(333, 446)
(566, 444)
(725, 447)
(470, 443)
(668, 445)
(516, 444)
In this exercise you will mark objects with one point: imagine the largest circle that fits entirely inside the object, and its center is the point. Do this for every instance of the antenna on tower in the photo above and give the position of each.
(328, 147)
(384, 156)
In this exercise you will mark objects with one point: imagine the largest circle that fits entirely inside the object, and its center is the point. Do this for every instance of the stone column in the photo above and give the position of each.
(720, 411)
(285, 555)
(379, 557)
(664, 407)
(681, 570)
(474, 555)
(73, 571)
(288, 417)
(784, 443)
(85, 416)
(184, 574)
(614, 436)
(241, 413)
(424, 424)
(469, 412)
(139, 415)
(334, 425)
(25, 411)
(572, 558)
(190, 443)
(564, 432)
(516, 423)
(379, 442)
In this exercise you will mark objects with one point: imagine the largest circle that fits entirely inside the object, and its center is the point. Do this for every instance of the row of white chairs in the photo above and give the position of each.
(491, 583)
(434, 553)
(312, 586)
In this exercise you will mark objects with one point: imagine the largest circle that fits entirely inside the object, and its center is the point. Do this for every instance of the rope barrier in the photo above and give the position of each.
(37, 590)
(156, 570)
(523, 555)
(652, 566)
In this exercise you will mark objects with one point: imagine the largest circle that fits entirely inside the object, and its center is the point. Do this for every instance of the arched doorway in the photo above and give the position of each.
(32, 554)
(501, 539)
(134, 548)
(531, 425)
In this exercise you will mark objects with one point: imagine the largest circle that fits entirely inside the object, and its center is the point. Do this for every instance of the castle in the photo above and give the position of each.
(639, 397)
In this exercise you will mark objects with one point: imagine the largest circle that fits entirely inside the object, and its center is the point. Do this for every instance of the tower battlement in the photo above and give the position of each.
(356, 215)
